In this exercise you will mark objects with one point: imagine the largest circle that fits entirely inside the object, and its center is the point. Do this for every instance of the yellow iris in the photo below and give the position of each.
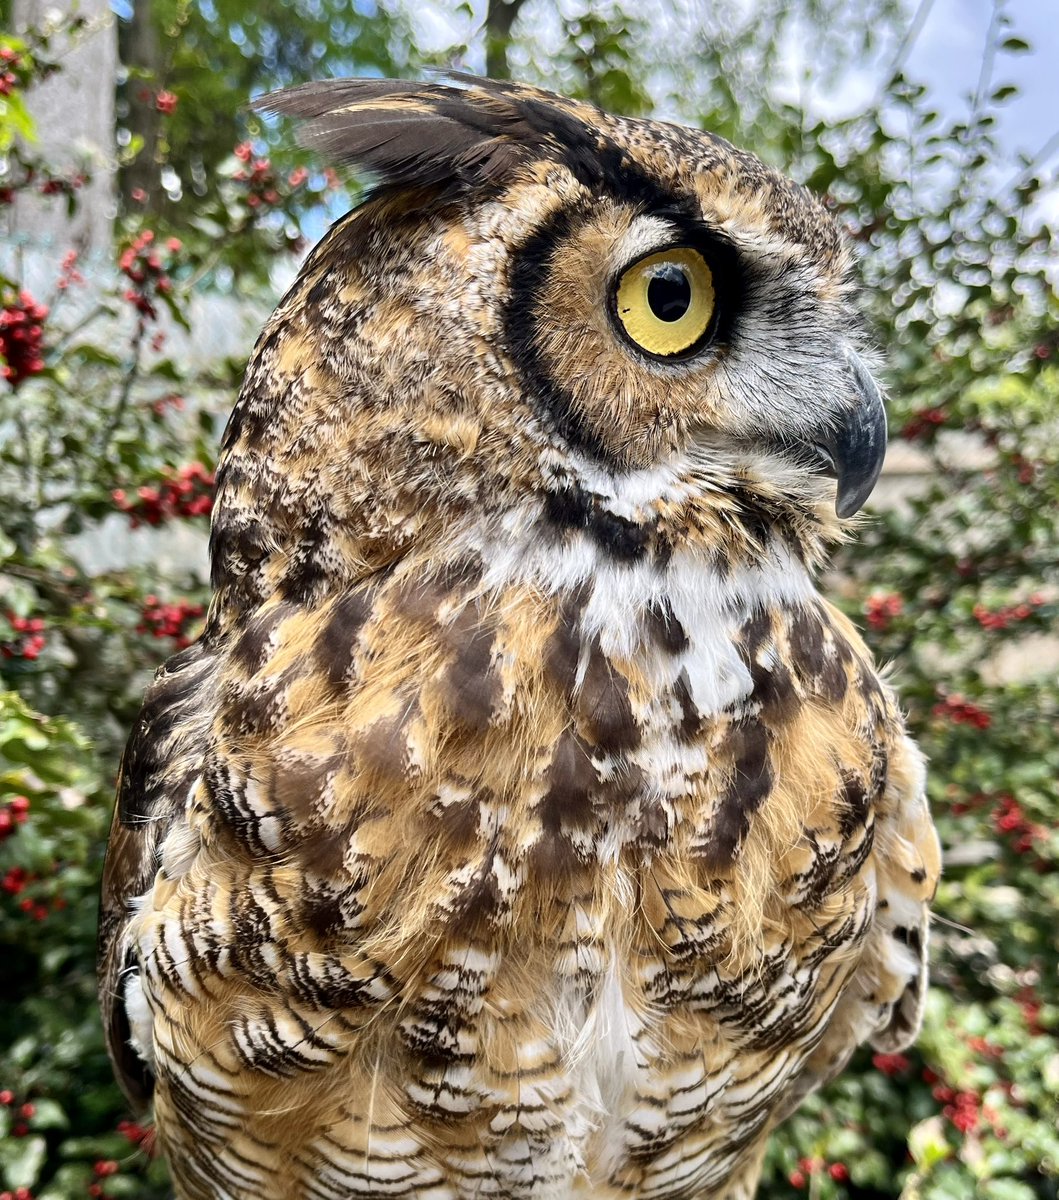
(666, 300)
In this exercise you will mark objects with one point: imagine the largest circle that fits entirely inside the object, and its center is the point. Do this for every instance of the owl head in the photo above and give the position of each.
(548, 319)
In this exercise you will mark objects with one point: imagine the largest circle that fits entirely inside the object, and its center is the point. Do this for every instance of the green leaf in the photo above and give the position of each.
(22, 1159)
(15, 120)
(1006, 1189)
(48, 1115)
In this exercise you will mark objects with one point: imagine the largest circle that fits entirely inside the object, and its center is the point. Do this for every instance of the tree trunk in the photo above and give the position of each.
(499, 17)
(140, 52)
(74, 115)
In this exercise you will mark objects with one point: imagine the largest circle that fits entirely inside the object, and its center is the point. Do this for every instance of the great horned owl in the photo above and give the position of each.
(523, 824)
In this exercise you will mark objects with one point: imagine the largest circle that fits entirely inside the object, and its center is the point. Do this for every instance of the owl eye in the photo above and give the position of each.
(665, 301)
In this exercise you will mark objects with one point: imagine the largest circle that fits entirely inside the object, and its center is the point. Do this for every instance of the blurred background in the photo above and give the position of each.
(150, 222)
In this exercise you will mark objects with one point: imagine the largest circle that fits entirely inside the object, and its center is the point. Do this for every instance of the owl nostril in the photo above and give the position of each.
(826, 460)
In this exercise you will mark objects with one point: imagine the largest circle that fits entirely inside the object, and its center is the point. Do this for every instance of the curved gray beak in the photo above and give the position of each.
(857, 448)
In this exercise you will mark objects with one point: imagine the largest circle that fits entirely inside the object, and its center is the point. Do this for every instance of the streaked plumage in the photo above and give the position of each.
(524, 824)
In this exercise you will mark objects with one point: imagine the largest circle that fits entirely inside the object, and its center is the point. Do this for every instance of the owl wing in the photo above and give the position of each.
(884, 1000)
(893, 975)
(157, 769)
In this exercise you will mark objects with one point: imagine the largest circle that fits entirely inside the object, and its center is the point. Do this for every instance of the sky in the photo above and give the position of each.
(946, 55)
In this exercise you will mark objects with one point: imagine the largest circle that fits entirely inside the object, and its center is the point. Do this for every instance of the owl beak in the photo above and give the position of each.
(856, 449)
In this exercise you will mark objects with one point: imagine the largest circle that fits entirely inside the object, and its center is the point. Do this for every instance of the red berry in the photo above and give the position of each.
(890, 1064)
(21, 337)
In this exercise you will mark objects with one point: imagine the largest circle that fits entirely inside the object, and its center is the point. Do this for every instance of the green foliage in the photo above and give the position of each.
(58, 1103)
(102, 424)
(192, 68)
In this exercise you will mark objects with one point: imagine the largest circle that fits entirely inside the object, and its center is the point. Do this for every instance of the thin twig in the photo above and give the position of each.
(28, 466)
(97, 312)
(910, 39)
(985, 71)
(1038, 160)
(122, 405)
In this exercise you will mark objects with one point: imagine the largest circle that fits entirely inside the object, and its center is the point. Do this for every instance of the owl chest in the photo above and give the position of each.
(599, 941)
(680, 919)
(659, 681)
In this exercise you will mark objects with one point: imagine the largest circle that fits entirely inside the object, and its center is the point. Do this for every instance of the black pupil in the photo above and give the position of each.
(669, 292)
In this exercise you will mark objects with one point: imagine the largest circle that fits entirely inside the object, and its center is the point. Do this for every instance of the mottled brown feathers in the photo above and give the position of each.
(524, 824)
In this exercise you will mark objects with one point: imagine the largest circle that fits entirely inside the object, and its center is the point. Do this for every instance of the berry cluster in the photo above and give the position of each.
(188, 493)
(102, 1169)
(70, 274)
(10, 64)
(890, 1064)
(959, 711)
(961, 1108)
(25, 1112)
(22, 338)
(61, 185)
(31, 640)
(1030, 1004)
(965, 1109)
(881, 609)
(171, 400)
(133, 1132)
(47, 183)
(260, 179)
(923, 423)
(12, 815)
(838, 1171)
(985, 1048)
(38, 911)
(1001, 618)
(14, 881)
(142, 264)
(1009, 818)
(168, 620)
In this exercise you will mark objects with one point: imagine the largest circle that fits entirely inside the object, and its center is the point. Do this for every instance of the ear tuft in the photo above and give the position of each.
(468, 131)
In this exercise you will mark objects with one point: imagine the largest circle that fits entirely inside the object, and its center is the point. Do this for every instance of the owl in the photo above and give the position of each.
(524, 824)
